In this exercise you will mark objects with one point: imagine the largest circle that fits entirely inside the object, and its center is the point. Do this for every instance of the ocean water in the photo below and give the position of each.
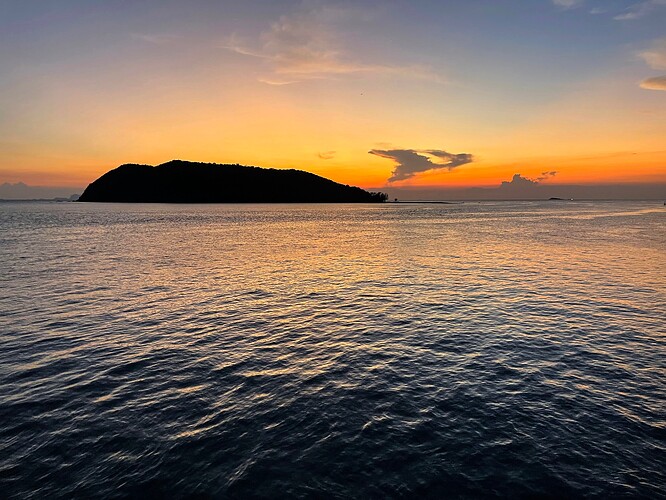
(510, 349)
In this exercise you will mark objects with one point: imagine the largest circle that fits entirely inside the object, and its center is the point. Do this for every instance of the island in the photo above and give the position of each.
(179, 181)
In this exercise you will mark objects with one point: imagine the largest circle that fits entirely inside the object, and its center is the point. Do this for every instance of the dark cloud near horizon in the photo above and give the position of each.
(326, 155)
(518, 181)
(410, 162)
(524, 188)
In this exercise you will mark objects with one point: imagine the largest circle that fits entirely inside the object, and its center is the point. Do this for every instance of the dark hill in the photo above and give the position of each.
(188, 182)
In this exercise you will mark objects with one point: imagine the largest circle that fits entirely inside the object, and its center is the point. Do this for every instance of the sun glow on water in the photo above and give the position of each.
(349, 349)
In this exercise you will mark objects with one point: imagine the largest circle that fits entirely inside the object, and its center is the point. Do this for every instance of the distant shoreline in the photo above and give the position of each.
(399, 202)
(46, 200)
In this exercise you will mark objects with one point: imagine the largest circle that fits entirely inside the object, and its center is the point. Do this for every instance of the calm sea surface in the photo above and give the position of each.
(472, 350)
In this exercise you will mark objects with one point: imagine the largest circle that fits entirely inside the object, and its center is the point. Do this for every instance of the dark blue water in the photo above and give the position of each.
(475, 350)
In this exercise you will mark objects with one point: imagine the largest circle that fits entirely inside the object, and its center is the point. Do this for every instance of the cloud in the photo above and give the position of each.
(546, 175)
(639, 10)
(655, 83)
(326, 155)
(303, 46)
(655, 56)
(276, 81)
(636, 10)
(155, 39)
(518, 181)
(567, 4)
(410, 162)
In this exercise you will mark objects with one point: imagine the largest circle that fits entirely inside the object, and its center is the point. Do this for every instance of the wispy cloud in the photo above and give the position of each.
(410, 162)
(326, 155)
(155, 39)
(546, 175)
(654, 83)
(568, 4)
(303, 46)
(655, 57)
(641, 9)
(634, 11)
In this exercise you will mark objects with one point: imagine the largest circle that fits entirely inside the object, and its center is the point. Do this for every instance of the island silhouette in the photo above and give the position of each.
(180, 181)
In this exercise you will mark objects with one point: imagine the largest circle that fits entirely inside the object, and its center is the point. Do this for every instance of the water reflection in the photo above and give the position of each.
(477, 349)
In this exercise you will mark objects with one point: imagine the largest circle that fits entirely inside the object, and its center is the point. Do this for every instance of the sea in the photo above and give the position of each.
(397, 350)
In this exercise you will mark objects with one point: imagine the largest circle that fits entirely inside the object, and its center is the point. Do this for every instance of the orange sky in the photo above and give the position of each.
(319, 85)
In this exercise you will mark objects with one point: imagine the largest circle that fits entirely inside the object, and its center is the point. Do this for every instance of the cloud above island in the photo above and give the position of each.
(410, 162)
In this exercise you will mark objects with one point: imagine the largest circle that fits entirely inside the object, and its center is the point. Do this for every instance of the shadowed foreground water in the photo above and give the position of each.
(493, 349)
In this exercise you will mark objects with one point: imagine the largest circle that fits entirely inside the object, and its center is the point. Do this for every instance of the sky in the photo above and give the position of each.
(398, 95)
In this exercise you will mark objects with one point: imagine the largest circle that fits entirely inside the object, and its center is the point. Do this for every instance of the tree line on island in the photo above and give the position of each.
(179, 181)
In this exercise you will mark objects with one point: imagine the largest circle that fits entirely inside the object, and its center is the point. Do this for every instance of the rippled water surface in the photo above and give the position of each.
(472, 350)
